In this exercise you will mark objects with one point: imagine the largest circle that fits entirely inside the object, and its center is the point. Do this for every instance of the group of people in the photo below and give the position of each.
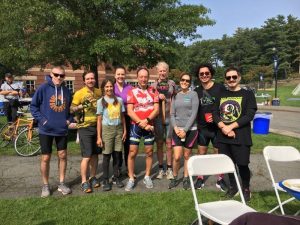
(114, 119)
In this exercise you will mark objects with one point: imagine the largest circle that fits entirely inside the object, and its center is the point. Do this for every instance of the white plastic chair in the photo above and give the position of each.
(280, 154)
(222, 212)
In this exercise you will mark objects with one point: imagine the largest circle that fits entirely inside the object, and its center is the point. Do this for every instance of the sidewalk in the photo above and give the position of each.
(20, 176)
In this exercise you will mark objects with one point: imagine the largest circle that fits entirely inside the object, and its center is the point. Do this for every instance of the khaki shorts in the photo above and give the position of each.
(112, 138)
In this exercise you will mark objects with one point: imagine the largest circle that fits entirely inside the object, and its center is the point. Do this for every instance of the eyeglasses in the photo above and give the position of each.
(188, 81)
(59, 75)
(234, 77)
(204, 73)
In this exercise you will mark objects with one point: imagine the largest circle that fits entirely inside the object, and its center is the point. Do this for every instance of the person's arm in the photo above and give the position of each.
(195, 105)
(99, 131)
(172, 116)
(76, 104)
(123, 119)
(36, 101)
(250, 109)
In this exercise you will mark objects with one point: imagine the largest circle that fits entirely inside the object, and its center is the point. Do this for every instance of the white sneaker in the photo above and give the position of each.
(169, 174)
(161, 174)
(148, 182)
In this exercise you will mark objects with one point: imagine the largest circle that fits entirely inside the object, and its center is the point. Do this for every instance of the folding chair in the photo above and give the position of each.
(280, 154)
(224, 211)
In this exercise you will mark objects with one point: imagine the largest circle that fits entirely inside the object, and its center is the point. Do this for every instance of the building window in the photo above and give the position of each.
(30, 84)
(70, 85)
(30, 87)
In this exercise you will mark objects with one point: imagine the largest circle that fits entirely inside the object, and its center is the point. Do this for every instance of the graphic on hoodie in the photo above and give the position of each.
(56, 104)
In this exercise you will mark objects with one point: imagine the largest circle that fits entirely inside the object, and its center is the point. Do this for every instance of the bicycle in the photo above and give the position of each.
(24, 135)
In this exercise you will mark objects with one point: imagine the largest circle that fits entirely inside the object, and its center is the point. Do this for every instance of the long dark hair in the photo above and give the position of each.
(104, 103)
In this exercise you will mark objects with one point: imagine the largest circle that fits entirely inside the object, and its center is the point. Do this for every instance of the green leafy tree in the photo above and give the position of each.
(86, 33)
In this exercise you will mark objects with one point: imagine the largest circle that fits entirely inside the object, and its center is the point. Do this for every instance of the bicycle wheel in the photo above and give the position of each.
(26, 147)
(6, 134)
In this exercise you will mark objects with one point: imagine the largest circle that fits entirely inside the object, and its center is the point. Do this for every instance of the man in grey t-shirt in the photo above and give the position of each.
(11, 90)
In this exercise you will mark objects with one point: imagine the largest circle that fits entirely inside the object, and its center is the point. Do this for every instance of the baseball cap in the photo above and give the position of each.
(8, 75)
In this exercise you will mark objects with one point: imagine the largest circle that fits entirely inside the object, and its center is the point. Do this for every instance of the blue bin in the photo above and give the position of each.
(261, 123)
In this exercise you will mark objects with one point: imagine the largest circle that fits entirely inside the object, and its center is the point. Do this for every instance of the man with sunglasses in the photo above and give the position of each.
(233, 112)
(50, 107)
(207, 93)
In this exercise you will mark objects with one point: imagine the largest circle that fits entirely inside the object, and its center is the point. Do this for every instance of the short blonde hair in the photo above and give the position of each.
(162, 64)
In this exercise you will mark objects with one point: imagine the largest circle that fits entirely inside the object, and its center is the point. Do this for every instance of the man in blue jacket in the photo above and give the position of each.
(50, 106)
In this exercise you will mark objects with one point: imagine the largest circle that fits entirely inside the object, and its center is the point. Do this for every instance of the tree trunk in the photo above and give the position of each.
(94, 68)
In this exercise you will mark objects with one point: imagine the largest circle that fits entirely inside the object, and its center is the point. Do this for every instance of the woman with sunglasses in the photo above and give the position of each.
(184, 109)
(111, 132)
(233, 112)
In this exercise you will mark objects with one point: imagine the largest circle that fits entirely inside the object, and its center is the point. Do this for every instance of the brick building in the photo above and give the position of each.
(36, 76)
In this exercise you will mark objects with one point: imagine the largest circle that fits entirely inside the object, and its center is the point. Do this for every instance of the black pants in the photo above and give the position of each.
(105, 165)
(11, 112)
(126, 143)
(244, 172)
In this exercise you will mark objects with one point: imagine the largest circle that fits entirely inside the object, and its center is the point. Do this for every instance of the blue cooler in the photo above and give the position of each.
(261, 122)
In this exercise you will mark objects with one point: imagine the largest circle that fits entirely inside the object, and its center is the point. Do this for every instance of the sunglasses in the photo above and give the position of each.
(188, 81)
(204, 73)
(234, 77)
(59, 75)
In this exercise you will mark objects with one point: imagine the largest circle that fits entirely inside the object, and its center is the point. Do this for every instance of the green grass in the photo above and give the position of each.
(172, 207)
(284, 91)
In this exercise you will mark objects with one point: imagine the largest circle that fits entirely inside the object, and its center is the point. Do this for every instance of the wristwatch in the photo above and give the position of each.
(148, 119)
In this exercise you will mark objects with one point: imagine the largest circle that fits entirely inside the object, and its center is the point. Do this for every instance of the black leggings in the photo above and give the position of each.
(244, 172)
(105, 165)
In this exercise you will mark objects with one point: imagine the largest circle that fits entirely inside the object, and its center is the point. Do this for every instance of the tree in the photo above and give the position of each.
(130, 32)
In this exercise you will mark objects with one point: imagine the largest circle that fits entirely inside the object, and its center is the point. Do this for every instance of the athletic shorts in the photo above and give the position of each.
(161, 131)
(136, 133)
(188, 142)
(88, 141)
(112, 138)
(240, 154)
(46, 142)
(206, 135)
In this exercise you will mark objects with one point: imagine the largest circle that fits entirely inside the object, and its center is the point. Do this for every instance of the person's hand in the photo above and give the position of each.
(162, 97)
(72, 126)
(143, 123)
(177, 130)
(226, 129)
(99, 142)
(124, 136)
(149, 128)
(182, 133)
(231, 134)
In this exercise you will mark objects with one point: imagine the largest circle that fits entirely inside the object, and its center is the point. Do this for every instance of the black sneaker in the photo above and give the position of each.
(118, 182)
(173, 183)
(106, 185)
(186, 183)
(221, 184)
(199, 183)
(247, 194)
(232, 192)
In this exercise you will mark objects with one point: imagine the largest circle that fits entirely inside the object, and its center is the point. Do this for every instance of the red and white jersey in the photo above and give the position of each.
(143, 101)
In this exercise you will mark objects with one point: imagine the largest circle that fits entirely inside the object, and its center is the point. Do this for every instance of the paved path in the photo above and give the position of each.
(285, 120)
(22, 178)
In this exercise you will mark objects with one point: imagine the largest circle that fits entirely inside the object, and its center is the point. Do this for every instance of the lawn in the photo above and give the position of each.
(284, 92)
(172, 207)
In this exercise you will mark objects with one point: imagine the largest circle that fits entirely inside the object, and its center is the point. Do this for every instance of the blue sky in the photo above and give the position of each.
(231, 14)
